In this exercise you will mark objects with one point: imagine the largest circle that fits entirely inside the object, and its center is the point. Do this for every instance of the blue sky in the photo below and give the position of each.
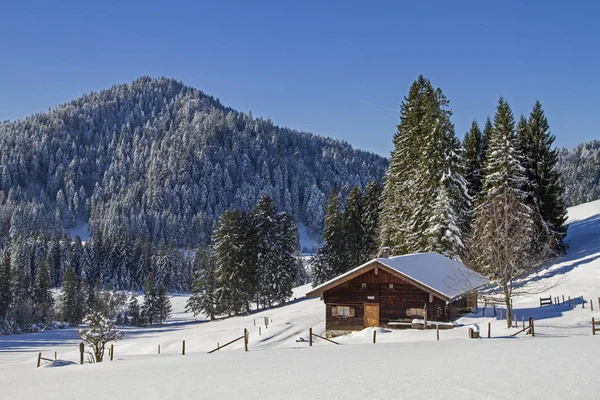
(336, 68)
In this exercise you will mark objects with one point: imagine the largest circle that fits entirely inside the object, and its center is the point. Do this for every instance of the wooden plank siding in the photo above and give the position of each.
(373, 286)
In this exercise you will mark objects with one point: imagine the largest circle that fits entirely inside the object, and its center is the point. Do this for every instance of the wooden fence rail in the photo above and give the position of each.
(545, 301)
(244, 336)
(311, 334)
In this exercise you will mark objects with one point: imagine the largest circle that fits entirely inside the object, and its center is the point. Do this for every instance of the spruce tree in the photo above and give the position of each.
(204, 285)
(148, 314)
(133, 310)
(42, 294)
(163, 305)
(287, 244)
(331, 259)
(71, 299)
(425, 151)
(546, 194)
(370, 219)
(353, 229)
(263, 215)
(474, 146)
(235, 258)
(6, 289)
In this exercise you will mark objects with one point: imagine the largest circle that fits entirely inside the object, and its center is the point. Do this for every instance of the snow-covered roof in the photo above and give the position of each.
(434, 272)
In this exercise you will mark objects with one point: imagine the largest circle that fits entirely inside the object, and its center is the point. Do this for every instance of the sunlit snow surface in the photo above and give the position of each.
(560, 362)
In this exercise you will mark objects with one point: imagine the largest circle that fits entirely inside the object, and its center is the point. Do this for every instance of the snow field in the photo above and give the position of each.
(558, 363)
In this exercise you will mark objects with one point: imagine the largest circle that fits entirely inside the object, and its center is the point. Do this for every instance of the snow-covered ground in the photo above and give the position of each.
(558, 363)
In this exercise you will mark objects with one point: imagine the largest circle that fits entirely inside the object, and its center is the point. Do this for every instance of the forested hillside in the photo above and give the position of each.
(160, 161)
(580, 170)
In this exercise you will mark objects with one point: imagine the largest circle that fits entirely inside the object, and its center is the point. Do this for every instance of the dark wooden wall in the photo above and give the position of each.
(393, 302)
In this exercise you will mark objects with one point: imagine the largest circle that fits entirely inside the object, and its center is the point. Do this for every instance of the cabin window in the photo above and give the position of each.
(391, 285)
(363, 285)
(342, 311)
(414, 312)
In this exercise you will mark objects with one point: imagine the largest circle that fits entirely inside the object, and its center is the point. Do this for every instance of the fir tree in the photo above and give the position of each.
(263, 216)
(286, 248)
(133, 310)
(545, 192)
(204, 285)
(474, 146)
(149, 307)
(353, 229)
(424, 161)
(370, 219)
(42, 295)
(163, 305)
(235, 258)
(71, 299)
(6, 289)
(330, 260)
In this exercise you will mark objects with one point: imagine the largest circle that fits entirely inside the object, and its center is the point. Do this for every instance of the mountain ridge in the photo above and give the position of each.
(162, 160)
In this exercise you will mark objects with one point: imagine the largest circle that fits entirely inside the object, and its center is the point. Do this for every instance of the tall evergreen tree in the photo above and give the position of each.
(286, 248)
(425, 149)
(149, 307)
(331, 260)
(263, 216)
(42, 294)
(546, 194)
(71, 298)
(235, 258)
(6, 281)
(163, 305)
(370, 219)
(204, 285)
(353, 229)
(133, 310)
(474, 146)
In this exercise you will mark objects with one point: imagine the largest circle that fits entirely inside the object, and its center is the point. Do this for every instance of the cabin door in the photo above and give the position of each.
(371, 314)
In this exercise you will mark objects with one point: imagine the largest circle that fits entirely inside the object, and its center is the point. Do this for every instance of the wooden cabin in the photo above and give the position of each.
(391, 292)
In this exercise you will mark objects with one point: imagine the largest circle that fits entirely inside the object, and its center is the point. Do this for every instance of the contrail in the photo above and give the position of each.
(380, 106)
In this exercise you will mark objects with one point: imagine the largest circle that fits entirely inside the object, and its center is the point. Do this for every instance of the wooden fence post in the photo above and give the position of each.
(489, 329)
(259, 333)
(437, 330)
(374, 336)
(254, 321)
(39, 360)
(183, 348)
(112, 351)
(245, 339)
(582, 302)
(218, 347)
(593, 330)
(159, 349)
(563, 296)
(532, 327)
(569, 301)
(470, 333)
(310, 336)
(592, 304)
(81, 351)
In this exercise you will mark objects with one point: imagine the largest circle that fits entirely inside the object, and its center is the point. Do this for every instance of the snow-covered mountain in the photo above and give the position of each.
(159, 160)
